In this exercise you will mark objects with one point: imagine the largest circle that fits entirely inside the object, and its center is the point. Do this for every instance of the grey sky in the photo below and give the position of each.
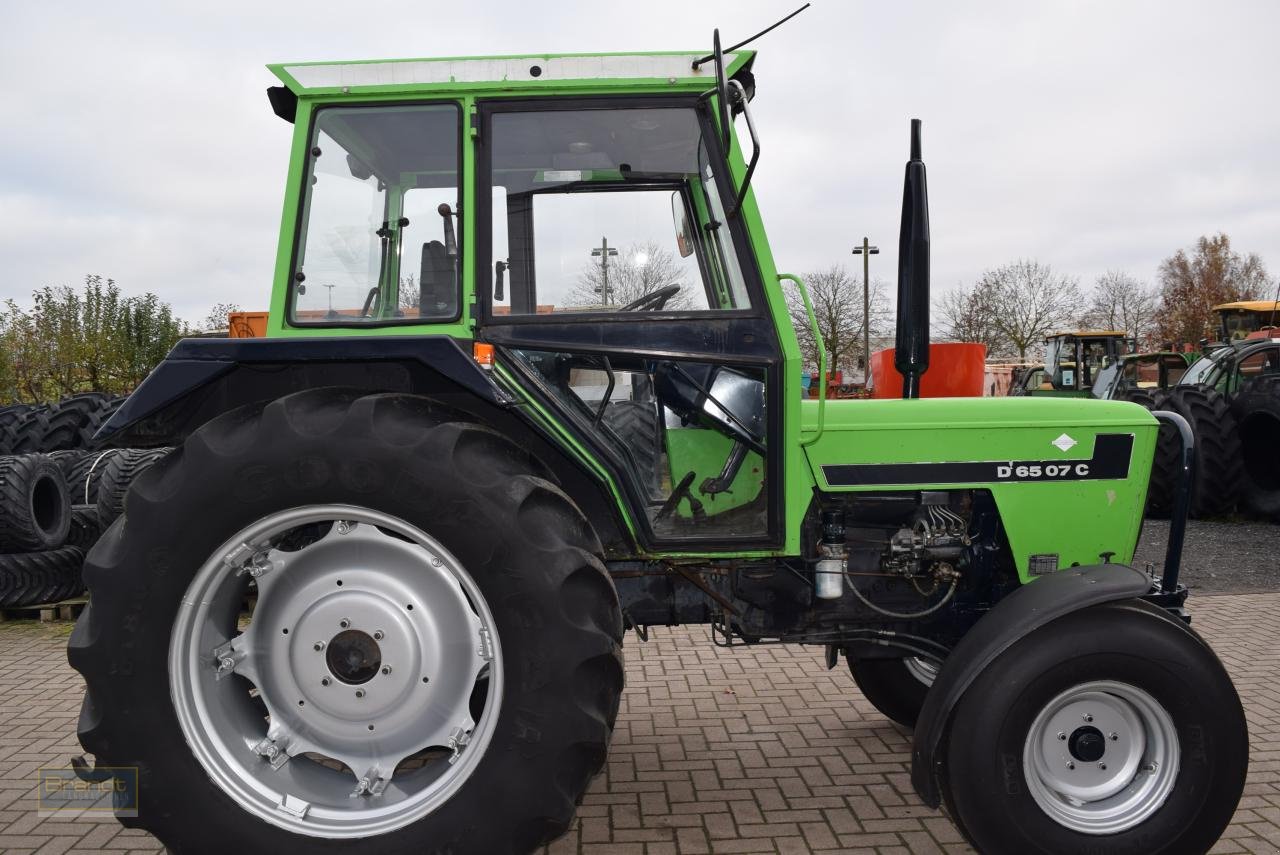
(137, 141)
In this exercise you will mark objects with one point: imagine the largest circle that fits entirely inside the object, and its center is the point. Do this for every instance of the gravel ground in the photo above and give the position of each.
(1218, 557)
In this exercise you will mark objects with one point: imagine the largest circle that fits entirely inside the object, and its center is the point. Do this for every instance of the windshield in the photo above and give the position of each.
(379, 240)
(582, 218)
(1207, 369)
(1107, 378)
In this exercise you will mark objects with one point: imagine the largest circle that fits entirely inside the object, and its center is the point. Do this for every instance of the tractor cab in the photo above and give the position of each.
(1141, 372)
(1228, 369)
(1072, 362)
(1247, 319)
(590, 228)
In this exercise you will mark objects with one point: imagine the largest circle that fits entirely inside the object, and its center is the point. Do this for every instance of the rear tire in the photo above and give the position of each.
(1257, 411)
(1166, 465)
(636, 424)
(1177, 762)
(1218, 471)
(527, 549)
(895, 687)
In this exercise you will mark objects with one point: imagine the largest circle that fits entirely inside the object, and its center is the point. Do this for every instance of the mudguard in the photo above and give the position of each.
(202, 377)
(1025, 610)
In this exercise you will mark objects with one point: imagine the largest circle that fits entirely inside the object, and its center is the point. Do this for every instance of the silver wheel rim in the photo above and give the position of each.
(922, 669)
(1101, 757)
(368, 696)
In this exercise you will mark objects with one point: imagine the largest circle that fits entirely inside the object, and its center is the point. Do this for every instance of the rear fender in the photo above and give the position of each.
(202, 378)
(1026, 609)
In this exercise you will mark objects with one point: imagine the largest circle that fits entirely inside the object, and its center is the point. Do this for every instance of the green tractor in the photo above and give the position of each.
(1072, 362)
(530, 381)
(1137, 376)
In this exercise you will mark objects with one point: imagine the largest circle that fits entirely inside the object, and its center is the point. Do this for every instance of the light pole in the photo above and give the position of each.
(604, 252)
(866, 251)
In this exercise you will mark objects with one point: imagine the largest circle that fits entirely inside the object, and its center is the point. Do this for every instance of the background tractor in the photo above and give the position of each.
(374, 599)
(1072, 362)
(1247, 319)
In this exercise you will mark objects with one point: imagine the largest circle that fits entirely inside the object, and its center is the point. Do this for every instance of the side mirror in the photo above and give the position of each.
(684, 242)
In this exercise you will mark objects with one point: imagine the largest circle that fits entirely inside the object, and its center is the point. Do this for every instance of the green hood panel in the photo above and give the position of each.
(931, 413)
(1041, 458)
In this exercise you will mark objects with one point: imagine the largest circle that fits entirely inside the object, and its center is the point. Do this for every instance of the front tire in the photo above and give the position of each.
(390, 479)
(895, 687)
(1111, 730)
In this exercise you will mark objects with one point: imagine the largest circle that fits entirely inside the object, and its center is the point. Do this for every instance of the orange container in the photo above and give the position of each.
(247, 324)
(955, 370)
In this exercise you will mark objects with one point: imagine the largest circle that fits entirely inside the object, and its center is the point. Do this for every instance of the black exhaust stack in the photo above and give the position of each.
(911, 352)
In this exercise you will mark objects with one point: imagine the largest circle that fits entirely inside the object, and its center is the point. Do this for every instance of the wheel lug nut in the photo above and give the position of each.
(324, 681)
(1113, 737)
(1088, 717)
(1070, 765)
(359, 693)
(386, 669)
(377, 635)
(344, 623)
(1102, 766)
(1061, 735)
(319, 645)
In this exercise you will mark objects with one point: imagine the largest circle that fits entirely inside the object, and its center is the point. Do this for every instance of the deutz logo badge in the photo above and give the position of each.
(1065, 443)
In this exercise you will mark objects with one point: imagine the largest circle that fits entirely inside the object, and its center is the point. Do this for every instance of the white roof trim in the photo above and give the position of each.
(426, 71)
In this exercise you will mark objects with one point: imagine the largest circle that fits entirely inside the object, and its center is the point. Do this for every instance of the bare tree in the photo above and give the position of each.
(1013, 307)
(1123, 302)
(410, 292)
(1029, 301)
(1191, 285)
(638, 269)
(967, 315)
(837, 306)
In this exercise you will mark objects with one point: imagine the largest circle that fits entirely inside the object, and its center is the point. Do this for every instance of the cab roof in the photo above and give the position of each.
(1091, 334)
(529, 73)
(1250, 306)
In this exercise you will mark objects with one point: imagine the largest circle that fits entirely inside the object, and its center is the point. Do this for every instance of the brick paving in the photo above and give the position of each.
(717, 751)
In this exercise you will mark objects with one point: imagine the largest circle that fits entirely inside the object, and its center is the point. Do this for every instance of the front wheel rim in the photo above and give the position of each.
(366, 686)
(1101, 757)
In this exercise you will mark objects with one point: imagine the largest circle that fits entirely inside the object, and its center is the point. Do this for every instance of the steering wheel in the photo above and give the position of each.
(653, 301)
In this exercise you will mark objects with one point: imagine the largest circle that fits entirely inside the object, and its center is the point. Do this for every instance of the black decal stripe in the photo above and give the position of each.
(1110, 461)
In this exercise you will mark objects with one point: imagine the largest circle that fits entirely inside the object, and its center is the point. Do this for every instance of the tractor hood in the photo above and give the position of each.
(1020, 449)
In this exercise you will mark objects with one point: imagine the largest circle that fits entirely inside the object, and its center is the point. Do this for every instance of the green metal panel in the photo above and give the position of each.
(704, 452)
(1076, 520)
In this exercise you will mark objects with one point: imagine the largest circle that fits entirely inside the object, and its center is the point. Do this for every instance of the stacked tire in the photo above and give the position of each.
(67, 425)
(53, 508)
(36, 564)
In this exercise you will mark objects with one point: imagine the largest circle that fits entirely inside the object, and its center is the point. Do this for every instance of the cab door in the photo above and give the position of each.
(627, 307)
